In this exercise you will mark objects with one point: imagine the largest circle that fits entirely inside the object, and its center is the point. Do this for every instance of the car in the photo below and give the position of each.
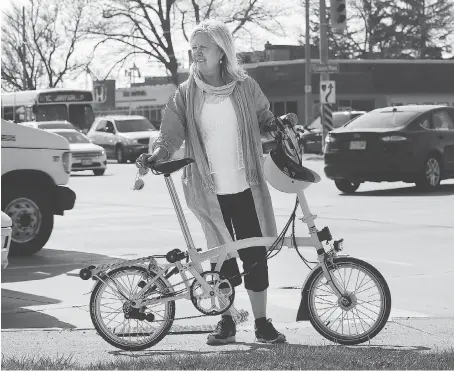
(85, 154)
(409, 143)
(57, 124)
(7, 227)
(123, 137)
(311, 135)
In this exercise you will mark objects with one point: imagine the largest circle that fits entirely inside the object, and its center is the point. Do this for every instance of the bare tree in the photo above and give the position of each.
(367, 34)
(391, 29)
(149, 27)
(50, 32)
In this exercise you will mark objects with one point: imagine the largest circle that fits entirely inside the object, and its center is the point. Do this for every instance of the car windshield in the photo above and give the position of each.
(382, 119)
(56, 125)
(127, 126)
(73, 136)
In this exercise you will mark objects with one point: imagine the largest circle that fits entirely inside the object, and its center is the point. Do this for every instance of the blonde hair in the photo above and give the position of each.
(221, 36)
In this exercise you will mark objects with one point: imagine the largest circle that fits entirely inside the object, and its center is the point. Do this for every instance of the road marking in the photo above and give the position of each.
(384, 261)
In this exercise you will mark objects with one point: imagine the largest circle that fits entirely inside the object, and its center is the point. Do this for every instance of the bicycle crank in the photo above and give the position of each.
(214, 300)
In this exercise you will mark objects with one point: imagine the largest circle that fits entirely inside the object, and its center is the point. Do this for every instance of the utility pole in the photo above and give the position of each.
(308, 77)
(24, 68)
(324, 61)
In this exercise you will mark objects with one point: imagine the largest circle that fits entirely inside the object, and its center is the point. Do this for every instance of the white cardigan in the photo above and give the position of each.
(220, 135)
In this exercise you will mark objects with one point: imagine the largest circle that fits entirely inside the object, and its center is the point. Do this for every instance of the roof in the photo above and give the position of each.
(63, 131)
(412, 107)
(121, 117)
(47, 122)
(348, 112)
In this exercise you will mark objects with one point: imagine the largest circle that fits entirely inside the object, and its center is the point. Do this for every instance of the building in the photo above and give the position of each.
(280, 71)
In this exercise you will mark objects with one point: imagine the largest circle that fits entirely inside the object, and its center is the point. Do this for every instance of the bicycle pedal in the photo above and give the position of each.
(241, 317)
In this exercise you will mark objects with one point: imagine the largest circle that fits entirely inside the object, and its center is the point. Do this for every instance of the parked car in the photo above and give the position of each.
(311, 135)
(412, 143)
(123, 137)
(7, 227)
(85, 154)
(57, 124)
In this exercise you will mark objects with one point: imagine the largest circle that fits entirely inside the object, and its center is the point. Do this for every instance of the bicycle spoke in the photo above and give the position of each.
(351, 320)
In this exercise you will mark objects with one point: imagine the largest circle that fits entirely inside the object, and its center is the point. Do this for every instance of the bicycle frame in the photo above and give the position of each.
(222, 251)
(194, 266)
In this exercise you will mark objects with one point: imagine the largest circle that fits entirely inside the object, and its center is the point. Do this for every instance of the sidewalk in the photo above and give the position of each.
(85, 346)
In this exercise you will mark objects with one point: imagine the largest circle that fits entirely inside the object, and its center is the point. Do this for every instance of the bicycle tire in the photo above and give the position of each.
(385, 303)
(111, 337)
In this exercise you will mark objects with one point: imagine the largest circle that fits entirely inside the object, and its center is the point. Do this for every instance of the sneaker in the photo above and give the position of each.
(224, 334)
(266, 333)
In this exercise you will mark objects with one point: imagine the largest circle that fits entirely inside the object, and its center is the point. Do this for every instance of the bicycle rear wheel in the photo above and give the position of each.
(363, 310)
(125, 327)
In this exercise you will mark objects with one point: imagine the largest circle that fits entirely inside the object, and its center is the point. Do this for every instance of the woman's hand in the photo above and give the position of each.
(147, 159)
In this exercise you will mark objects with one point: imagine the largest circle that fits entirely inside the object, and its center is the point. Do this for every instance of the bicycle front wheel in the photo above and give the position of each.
(120, 324)
(362, 311)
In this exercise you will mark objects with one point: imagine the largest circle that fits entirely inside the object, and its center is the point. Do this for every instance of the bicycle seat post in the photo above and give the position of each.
(181, 218)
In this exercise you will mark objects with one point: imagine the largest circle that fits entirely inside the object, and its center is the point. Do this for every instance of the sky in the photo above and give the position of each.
(293, 25)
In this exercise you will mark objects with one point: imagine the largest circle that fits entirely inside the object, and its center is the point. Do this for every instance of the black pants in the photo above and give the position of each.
(241, 220)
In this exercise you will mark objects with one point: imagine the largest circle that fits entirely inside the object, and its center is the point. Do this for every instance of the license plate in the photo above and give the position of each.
(86, 161)
(360, 144)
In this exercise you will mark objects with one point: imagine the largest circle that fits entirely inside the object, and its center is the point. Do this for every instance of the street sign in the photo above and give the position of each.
(325, 68)
(328, 92)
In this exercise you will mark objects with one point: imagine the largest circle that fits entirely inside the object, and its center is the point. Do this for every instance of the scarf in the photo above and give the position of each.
(247, 121)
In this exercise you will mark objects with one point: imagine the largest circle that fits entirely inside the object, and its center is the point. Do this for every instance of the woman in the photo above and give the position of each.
(220, 112)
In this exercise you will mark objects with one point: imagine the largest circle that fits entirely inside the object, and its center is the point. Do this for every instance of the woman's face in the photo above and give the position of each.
(206, 54)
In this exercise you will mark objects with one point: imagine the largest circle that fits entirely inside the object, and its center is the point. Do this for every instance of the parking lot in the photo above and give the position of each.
(405, 233)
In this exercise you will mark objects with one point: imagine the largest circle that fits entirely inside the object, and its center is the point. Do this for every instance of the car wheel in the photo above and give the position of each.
(120, 155)
(99, 172)
(431, 176)
(32, 218)
(347, 186)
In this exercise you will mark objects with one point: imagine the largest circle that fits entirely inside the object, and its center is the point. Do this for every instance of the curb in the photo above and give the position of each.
(195, 329)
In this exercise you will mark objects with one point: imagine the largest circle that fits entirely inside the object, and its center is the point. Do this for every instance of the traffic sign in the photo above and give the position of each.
(325, 68)
(328, 92)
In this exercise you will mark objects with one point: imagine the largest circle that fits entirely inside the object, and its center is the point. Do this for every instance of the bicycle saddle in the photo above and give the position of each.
(168, 167)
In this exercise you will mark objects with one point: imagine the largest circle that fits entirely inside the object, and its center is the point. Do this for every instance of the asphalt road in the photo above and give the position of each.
(406, 234)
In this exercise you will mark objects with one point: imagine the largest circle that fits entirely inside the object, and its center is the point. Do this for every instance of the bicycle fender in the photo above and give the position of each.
(303, 310)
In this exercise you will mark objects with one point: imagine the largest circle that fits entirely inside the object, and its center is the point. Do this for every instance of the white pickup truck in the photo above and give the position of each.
(35, 167)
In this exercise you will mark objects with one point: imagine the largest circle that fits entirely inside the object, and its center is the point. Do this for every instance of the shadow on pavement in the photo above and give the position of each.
(46, 264)
(49, 263)
(444, 190)
(15, 314)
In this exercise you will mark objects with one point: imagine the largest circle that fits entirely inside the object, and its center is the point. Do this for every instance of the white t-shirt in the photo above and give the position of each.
(219, 129)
